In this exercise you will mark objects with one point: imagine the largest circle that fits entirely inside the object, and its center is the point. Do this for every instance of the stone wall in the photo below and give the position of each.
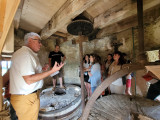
(71, 69)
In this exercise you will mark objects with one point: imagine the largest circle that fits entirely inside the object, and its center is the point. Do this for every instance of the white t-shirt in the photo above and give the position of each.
(86, 65)
(24, 62)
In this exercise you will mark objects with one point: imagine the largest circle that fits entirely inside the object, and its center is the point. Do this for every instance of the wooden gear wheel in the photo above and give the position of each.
(122, 107)
(84, 27)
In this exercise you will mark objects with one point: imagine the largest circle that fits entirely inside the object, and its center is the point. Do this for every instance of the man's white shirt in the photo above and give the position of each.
(24, 62)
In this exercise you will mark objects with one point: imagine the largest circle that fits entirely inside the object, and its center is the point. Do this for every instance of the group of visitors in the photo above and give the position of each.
(93, 73)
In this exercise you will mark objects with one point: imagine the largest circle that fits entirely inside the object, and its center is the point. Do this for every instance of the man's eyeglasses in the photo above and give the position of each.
(39, 41)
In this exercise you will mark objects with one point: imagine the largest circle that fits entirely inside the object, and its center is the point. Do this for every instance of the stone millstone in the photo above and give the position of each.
(80, 27)
(121, 107)
(60, 104)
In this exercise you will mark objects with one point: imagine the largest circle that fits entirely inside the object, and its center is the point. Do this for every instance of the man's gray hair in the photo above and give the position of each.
(30, 35)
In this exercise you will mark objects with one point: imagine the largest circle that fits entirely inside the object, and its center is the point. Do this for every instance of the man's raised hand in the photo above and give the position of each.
(57, 67)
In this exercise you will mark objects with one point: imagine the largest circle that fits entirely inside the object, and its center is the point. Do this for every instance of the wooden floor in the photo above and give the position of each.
(121, 107)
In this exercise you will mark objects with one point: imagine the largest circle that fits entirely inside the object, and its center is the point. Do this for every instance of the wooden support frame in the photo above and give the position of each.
(2, 15)
(64, 35)
(140, 29)
(11, 7)
(1, 85)
(7, 10)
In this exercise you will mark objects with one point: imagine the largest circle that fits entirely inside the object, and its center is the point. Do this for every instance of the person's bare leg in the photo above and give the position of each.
(89, 88)
(128, 91)
(54, 84)
(86, 85)
(61, 82)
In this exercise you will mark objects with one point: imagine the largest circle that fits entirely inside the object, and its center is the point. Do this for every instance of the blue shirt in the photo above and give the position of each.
(95, 79)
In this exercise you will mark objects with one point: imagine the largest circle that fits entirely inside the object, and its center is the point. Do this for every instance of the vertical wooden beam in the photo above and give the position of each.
(11, 7)
(82, 71)
(8, 8)
(140, 29)
(2, 15)
(1, 85)
(142, 58)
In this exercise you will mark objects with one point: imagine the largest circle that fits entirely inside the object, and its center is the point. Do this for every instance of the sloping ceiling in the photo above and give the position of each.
(36, 13)
(49, 17)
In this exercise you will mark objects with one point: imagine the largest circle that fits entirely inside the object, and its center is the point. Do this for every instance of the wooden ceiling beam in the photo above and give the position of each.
(18, 14)
(149, 16)
(87, 15)
(122, 11)
(59, 38)
(64, 15)
(11, 7)
(117, 27)
(64, 35)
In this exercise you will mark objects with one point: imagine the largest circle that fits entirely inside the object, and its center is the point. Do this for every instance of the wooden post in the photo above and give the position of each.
(8, 10)
(82, 71)
(1, 85)
(2, 16)
(141, 58)
(141, 55)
